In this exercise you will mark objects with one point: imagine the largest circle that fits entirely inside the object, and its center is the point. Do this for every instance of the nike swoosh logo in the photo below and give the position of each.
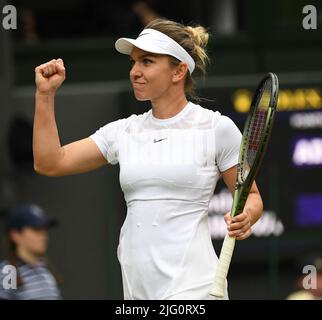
(143, 34)
(158, 140)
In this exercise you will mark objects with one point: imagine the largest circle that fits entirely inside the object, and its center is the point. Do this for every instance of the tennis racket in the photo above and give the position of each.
(258, 127)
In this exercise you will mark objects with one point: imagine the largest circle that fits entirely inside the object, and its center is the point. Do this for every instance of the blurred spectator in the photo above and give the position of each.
(100, 18)
(144, 11)
(314, 293)
(223, 15)
(26, 241)
(28, 26)
(186, 12)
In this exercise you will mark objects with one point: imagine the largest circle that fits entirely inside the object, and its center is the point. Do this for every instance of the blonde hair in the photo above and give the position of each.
(193, 39)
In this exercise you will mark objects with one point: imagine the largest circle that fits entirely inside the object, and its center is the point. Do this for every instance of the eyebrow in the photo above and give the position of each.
(145, 55)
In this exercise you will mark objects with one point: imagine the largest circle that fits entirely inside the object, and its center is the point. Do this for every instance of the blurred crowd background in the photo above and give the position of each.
(248, 39)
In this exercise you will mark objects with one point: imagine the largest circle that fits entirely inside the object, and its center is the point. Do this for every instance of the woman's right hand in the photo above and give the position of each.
(50, 76)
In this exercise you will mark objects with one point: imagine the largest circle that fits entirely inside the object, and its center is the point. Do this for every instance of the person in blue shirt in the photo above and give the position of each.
(25, 273)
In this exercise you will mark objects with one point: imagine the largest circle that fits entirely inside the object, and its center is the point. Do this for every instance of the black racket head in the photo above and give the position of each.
(258, 128)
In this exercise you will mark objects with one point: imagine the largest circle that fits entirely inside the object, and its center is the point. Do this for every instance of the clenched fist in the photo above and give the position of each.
(50, 76)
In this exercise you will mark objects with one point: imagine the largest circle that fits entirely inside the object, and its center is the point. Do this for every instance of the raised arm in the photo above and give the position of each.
(50, 158)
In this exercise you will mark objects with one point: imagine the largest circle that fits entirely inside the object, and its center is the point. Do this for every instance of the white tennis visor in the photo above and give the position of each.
(154, 41)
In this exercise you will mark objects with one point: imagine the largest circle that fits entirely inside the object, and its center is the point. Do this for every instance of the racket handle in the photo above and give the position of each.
(218, 287)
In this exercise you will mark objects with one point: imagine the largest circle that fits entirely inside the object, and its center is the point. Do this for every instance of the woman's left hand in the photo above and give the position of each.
(239, 226)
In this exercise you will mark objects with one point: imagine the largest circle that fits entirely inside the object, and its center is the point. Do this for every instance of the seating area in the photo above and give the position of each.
(94, 60)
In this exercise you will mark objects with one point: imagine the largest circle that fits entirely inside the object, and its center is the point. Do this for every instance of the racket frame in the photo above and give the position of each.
(243, 187)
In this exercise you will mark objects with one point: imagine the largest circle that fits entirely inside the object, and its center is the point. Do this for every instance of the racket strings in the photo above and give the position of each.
(256, 128)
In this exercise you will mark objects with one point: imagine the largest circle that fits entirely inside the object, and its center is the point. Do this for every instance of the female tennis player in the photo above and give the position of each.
(170, 159)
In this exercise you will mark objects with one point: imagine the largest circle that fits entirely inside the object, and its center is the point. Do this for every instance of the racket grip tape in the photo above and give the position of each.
(218, 288)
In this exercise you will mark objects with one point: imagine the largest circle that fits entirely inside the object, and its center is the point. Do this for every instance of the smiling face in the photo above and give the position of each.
(151, 75)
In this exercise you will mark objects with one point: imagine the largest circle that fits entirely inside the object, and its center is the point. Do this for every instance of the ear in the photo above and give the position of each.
(14, 235)
(180, 72)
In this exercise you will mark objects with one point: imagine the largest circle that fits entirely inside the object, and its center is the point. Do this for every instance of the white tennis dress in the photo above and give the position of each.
(168, 172)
